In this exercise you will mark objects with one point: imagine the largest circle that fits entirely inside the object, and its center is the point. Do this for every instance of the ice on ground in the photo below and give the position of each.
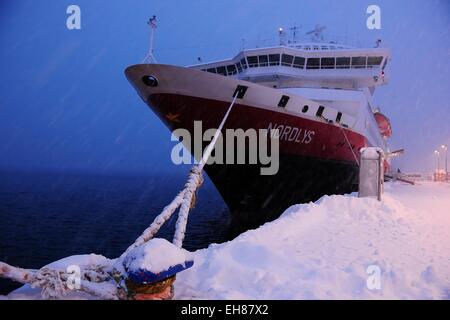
(155, 256)
(340, 247)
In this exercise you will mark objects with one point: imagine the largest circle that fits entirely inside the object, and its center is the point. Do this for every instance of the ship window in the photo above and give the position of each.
(313, 63)
(252, 61)
(212, 70)
(286, 60)
(342, 63)
(374, 61)
(239, 67)
(231, 69)
(283, 101)
(222, 71)
(359, 62)
(327, 63)
(244, 63)
(339, 117)
(263, 61)
(305, 109)
(320, 111)
(299, 62)
(274, 59)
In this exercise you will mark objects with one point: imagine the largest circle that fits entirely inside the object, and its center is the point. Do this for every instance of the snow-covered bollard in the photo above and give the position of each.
(150, 270)
(371, 172)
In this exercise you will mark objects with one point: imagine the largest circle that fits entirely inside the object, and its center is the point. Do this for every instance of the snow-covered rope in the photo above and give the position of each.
(53, 283)
(195, 180)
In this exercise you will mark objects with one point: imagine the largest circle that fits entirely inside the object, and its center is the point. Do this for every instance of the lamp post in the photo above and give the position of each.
(437, 171)
(445, 147)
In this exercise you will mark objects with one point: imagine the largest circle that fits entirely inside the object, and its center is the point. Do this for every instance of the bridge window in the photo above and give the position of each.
(252, 61)
(244, 63)
(274, 59)
(374, 61)
(299, 62)
(313, 63)
(286, 60)
(327, 63)
(231, 69)
(239, 67)
(359, 62)
(212, 70)
(342, 63)
(263, 61)
(222, 71)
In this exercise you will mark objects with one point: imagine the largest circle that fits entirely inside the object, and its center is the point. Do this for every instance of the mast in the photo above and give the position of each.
(150, 58)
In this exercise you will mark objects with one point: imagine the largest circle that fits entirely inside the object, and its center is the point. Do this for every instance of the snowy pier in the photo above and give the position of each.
(341, 247)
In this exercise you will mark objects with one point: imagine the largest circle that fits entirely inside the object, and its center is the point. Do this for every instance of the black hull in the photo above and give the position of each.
(254, 199)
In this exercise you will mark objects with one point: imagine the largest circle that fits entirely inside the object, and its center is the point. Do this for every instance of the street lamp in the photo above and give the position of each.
(437, 172)
(445, 147)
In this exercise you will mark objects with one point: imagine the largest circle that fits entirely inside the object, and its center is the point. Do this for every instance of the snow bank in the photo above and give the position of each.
(340, 247)
(331, 249)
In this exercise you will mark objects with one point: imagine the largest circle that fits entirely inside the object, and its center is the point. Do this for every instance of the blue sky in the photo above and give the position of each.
(66, 105)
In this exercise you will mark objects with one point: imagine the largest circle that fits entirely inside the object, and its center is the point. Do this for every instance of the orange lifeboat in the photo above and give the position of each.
(384, 124)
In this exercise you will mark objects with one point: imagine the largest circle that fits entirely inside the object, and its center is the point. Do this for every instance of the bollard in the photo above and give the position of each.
(149, 271)
(371, 173)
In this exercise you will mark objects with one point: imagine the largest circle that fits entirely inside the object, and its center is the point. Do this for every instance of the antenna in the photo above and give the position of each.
(294, 30)
(242, 44)
(317, 33)
(282, 35)
(378, 43)
(150, 58)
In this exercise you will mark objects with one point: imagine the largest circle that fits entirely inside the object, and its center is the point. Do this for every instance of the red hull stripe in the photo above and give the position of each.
(299, 136)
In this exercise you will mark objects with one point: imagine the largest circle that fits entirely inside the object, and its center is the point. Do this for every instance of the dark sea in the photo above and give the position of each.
(48, 216)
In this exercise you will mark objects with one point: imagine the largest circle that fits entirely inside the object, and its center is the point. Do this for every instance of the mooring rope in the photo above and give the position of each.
(349, 145)
(53, 283)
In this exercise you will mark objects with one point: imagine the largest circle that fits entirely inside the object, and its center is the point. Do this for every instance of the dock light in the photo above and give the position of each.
(445, 147)
(436, 152)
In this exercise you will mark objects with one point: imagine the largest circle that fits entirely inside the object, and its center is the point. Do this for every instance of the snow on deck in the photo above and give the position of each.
(332, 249)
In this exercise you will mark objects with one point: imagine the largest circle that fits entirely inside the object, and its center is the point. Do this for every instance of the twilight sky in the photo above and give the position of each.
(66, 105)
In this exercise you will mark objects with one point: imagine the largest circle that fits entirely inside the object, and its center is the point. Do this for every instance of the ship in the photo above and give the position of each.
(316, 86)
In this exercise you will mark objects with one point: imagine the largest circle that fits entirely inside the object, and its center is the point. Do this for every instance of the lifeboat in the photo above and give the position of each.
(384, 124)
